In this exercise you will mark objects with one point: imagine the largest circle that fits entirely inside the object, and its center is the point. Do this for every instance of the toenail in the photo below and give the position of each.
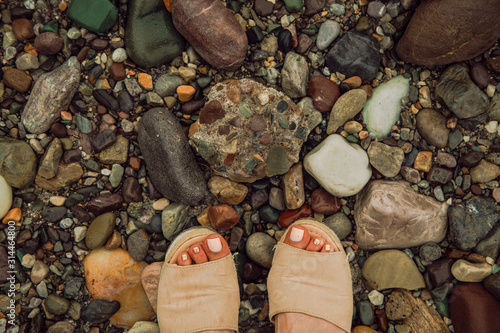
(296, 235)
(317, 241)
(328, 247)
(214, 245)
(196, 249)
(184, 257)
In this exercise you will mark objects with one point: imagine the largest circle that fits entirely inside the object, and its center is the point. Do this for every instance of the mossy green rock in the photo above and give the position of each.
(94, 15)
(151, 39)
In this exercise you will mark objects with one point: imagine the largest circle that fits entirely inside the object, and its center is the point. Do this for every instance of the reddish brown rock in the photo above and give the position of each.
(324, 93)
(324, 203)
(22, 29)
(447, 31)
(223, 217)
(66, 175)
(263, 7)
(48, 43)
(390, 214)
(117, 71)
(440, 271)
(291, 216)
(150, 278)
(212, 30)
(104, 203)
(473, 309)
(16, 79)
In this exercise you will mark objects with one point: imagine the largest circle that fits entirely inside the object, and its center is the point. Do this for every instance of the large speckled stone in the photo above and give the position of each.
(247, 131)
(115, 276)
(169, 159)
(51, 94)
(390, 214)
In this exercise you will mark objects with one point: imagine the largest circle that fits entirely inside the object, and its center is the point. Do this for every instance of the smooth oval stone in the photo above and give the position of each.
(173, 218)
(466, 271)
(17, 162)
(48, 43)
(163, 143)
(484, 172)
(113, 275)
(340, 224)
(285, 42)
(473, 309)
(324, 93)
(431, 125)
(291, 216)
(390, 214)
(22, 29)
(151, 39)
(138, 245)
(345, 108)
(212, 30)
(431, 39)
(324, 203)
(381, 267)
(327, 33)
(480, 75)
(5, 197)
(17, 79)
(327, 164)
(99, 230)
(259, 248)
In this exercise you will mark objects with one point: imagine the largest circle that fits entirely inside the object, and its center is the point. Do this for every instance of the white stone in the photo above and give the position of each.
(491, 127)
(80, 233)
(382, 110)
(466, 271)
(341, 168)
(376, 297)
(66, 223)
(144, 327)
(28, 260)
(490, 90)
(5, 197)
(57, 200)
(119, 55)
(161, 204)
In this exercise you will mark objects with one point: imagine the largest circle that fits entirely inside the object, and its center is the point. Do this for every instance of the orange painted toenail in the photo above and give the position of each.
(196, 249)
(184, 257)
(296, 235)
(214, 245)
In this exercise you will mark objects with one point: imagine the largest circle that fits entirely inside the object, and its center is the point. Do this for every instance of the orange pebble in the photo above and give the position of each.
(65, 115)
(353, 82)
(63, 5)
(193, 129)
(31, 50)
(363, 135)
(135, 163)
(131, 72)
(168, 5)
(185, 93)
(423, 162)
(363, 329)
(14, 214)
(145, 80)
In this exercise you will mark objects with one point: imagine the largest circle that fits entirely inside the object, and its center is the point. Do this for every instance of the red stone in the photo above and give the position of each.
(324, 203)
(381, 319)
(117, 71)
(290, 216)
(223, 217)
(324, 93)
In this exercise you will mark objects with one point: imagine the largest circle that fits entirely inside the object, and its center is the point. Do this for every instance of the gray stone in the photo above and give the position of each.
(490, 245)
(61, 327)
(56, 305)
(327, 33)
(170, 162)
(166, 85)
(50, 160)
(51, 94)
(173, 218)
(138, 245)
(17, 162)
(83, 124)
(432, 126)
(259, 248)
(116, 175)
(27, 61)
(494, 109)
(460, 93)
(295, 75)
(340, 224)
(386, 159)
(430, 252)
(471, 221)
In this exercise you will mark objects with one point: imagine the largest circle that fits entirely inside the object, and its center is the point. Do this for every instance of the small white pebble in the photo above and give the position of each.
(105, 172)
(491, 126)
(490, 90)
(80, 233)
(161, 204)
(376, 297)
(490, 260)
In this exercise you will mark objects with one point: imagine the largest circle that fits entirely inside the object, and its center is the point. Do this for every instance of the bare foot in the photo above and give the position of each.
(213, 247)
(294, 322)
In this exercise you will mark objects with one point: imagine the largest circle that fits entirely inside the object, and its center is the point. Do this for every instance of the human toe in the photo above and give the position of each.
(215, 247)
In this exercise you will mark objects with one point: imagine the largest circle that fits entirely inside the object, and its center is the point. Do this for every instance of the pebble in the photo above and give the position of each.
(144, 327)
(138, 245)
(293, 187)
(386, 159)
(117, 153)
(340, 224)
(66, 174)
(376, 9)
(324, 93)
(484, 172)
(5, 197)
(423, 161)
(492, 285)
(376, 297)
(94, 15)
(326, 163)
(285, 40)
(466, 271)
(115, 276)
(99, 310)
(22, 29)
(490, 245)
(277, 198)
(150, 277)
(167, 85)
(119, 55)
(431, 125)
(56, 305)
(99, 230)
(259, 248)
(382, 110)
(376, 204)
(173, 220)
(346, 107)
(294, 75)
(324, 203)
(116, 175)
(161, 204)
(131, 190)
(365, 312)
(227, 191)
(17, 79)
(289, 216)
(223, 217)
(48, 43)
(27, 61)
(430, 252)
(337, 9)
(39, 272)
(61, 327)
(328, 31)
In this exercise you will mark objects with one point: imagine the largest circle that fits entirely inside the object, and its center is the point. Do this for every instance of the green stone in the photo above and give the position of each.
(58, 247)
(52, 26)
(245, 111)
(205, 149)
(301, 133)
(203, 82)
(448, 188)
(269, 214)
(17, 162)
(283, 123)
(276, 163)
(443, 309)
(94, 15)
(352, 138)
(496, 269)
(365, 313)
(150, 37)
(293, 6)
(251, 165)
(15, 107)
(273, 27)
(92, 165)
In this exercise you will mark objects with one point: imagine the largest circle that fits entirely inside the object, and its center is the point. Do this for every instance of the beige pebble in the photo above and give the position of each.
(353, 127)
(57, 200)
(161, 204)
(466, 271)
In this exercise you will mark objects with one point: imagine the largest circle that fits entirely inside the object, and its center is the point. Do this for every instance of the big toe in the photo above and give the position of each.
(215, 247)
(298, 236)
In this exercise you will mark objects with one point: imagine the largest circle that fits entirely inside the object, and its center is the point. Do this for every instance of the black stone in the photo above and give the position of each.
(126, 102)
(104, 139)
(254, 35)
(156, 223)
(99, 310)
(53, 214)
(470, 159)
(282, 106)
(72, 286)
(106, 99)
(73, 199)
(131, 190)
(71, 156)
(355, 54)
(490, 246)
(285, 43)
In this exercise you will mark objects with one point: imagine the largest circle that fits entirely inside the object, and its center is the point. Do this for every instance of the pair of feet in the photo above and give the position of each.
(214, 247)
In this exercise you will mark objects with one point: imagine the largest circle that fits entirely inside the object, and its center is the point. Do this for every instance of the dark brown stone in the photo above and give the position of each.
(22, 29)
(324, 203)
(479, 74)
(251, 271)
(223, 217)
(16, 79)
(470, 159)
(432, 126)
(314, 6)
(473, 309)
(492, 284)
(211, 112)
(105, 203)
(117, 71)
(71, 156)
(48, 43)
(192, 106)
(439, 175)
(304, 43)
(440, 272)
(131, 190)
(324, 93)
(382, 319)
(59, 130)
(81, 214)
(447, 31)
(263, 7)
(99, 44)
(212, 30)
